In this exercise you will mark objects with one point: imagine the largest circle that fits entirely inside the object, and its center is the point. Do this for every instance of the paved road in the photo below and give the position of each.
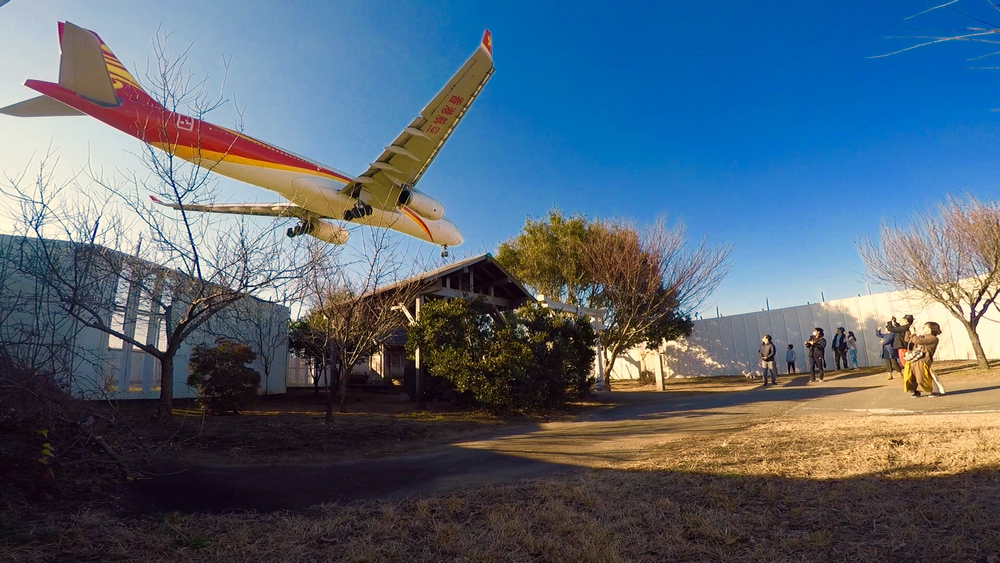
(628, 425)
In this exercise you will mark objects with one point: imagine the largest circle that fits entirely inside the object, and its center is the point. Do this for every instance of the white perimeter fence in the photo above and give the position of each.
(728, 345)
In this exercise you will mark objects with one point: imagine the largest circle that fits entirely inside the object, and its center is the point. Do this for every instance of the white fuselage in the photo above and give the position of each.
(321, 195)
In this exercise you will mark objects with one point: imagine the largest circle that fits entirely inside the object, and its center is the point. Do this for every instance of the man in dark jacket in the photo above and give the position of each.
(902, 332)
(816, 350)
(839, 347)
(767, 352)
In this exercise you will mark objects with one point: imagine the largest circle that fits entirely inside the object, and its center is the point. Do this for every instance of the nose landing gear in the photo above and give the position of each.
(444, 251)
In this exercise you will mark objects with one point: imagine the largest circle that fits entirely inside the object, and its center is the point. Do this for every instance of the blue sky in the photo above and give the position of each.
(762, 124)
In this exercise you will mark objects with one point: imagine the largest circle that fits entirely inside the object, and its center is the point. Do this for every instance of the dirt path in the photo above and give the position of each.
(622, 431)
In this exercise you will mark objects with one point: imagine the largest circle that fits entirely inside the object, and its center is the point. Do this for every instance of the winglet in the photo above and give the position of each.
(487, 43)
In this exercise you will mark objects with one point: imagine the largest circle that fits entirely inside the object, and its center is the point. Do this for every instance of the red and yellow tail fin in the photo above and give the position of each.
(88, 63)
(87, 68)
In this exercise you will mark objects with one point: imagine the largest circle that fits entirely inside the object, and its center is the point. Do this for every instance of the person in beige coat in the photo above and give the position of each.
(918, 366)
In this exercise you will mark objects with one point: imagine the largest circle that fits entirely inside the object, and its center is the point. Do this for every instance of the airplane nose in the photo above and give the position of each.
(452, 236)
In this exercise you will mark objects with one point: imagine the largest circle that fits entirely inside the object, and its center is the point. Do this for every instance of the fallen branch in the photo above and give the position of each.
(87, 428)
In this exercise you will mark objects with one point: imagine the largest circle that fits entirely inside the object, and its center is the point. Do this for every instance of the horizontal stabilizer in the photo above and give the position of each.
(266, 209)
(42, 106)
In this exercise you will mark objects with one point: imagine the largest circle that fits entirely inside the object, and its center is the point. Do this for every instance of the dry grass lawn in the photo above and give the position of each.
(857, 488)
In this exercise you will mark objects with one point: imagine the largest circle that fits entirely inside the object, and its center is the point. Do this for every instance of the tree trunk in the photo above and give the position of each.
(329, 395)
(981, 361)
(344, 376)
(166, 387)
(609, 364)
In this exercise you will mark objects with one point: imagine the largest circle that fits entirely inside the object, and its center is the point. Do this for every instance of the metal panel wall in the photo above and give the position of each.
(729, 345)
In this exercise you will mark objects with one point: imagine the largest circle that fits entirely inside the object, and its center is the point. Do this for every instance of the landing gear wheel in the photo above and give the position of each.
(349, 215)
(444, 251)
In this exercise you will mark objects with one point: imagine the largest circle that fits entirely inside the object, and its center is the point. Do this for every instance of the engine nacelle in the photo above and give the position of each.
(329, 233)
(424, 205)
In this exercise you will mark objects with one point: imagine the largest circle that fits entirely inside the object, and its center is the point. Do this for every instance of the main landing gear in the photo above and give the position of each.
(303, 228)
(359, 210)
(444, 251)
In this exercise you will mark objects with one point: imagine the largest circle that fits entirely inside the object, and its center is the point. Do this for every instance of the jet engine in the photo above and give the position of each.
(328, 233)
(424, 205)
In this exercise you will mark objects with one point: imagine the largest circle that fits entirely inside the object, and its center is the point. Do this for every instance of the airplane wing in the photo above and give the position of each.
(404, 161)
(260, 209)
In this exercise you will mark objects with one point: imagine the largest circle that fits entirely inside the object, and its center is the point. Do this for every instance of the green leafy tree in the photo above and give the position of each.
(547, 256)
(526, 360)
(226, 383)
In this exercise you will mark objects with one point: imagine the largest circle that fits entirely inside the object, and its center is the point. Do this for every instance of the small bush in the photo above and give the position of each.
(646, 377)
(221, 376)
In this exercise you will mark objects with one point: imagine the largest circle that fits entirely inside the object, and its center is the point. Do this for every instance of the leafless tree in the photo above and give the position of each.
(355, 302)
(33, 337)
(649, 278)
(956, 22)
(175, 268)
(950, 256)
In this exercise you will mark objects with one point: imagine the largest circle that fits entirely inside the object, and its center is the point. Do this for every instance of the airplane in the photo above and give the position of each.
(94, 82)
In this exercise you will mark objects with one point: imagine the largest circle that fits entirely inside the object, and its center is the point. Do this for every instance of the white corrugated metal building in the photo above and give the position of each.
(92, 364)
(728, 345)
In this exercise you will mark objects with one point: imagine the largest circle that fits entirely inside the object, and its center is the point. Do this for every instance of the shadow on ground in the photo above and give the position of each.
(631, 424)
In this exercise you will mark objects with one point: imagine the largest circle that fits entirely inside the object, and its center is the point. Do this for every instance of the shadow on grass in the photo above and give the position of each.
(642, 515)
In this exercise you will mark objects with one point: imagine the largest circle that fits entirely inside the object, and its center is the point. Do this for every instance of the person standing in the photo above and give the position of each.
(889, 350)
(920, 360)
(767, 352)
(839, 347)
(790, 359)
(816, 347)
(852, 349)
(902, 332)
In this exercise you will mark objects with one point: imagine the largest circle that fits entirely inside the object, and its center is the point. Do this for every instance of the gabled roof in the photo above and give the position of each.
(478, 277)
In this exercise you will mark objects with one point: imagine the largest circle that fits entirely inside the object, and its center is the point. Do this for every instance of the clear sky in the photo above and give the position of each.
(763, 124)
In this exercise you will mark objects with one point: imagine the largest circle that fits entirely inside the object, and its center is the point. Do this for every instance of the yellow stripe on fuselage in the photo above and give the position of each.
(192, 154)
(413, 216)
